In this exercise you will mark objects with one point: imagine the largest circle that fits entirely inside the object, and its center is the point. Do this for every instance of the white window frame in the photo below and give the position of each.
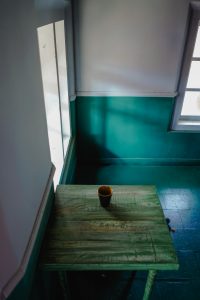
(187, 123)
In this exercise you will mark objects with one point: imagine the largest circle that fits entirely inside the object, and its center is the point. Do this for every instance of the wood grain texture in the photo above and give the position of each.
(129, 235)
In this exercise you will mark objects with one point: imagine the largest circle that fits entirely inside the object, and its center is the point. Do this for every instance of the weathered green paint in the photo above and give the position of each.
(64, 285)
(129, 235)
(149, 284)
(131, 129)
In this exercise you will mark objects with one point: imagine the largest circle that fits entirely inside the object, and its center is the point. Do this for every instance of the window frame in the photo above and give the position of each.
(187, 123)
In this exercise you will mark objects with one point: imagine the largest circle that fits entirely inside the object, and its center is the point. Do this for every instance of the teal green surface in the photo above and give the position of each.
(72, 107)
(69, 167)
(68, 170)
(130, 128)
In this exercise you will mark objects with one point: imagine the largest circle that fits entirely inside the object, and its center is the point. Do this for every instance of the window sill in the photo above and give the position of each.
(187, 126)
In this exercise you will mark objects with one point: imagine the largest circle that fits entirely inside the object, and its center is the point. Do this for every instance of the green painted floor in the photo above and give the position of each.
(179, 191)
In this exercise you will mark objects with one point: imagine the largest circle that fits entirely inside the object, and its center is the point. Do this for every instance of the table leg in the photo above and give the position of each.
(64, 285)
(149, 284)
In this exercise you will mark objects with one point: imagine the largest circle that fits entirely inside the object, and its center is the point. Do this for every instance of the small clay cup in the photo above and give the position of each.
(105, 194)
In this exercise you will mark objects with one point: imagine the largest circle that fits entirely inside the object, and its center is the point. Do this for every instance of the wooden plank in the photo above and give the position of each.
(130, 234)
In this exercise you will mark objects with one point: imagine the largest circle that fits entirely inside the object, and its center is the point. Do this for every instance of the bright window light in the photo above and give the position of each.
(191, 105)
(51, 39)
(194, 75)
(196, 52)
(186, 116)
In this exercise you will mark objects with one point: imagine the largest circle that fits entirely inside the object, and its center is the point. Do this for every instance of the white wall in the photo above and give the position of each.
(130, 46)
(25, 163)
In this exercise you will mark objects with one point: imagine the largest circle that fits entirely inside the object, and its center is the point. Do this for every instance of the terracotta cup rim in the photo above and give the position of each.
(105, 187)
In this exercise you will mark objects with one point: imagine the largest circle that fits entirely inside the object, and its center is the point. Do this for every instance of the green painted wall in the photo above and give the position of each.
(72, 107)
(69, 167)
(132, 128)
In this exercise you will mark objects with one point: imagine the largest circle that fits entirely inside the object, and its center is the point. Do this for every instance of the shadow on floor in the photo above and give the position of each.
(108, 285)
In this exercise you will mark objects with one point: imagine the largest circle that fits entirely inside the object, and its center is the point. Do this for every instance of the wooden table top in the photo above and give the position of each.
(129, 235)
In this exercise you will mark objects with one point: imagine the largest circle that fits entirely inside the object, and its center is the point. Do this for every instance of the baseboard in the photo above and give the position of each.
(143, 161)
(20, 273)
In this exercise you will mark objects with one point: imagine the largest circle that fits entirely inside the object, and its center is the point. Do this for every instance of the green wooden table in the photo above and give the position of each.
(131, 234)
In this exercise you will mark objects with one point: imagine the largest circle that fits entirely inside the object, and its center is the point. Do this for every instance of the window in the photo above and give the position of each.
(187, 108)
(51, 39)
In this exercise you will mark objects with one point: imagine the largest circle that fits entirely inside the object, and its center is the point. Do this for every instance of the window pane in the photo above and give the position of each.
(194, 75)
(62, 77)
(196, 52)
(51, 96)
(191, 104)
